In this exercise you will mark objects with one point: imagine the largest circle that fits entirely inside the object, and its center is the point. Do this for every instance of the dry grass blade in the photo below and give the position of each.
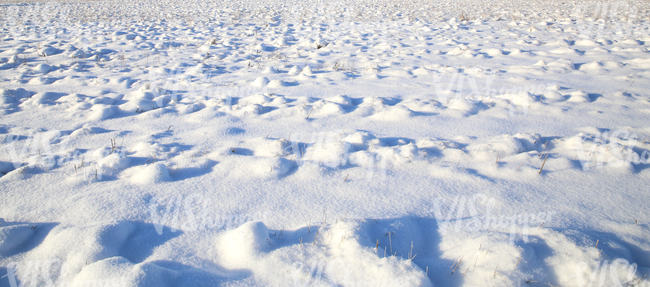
(540, 170)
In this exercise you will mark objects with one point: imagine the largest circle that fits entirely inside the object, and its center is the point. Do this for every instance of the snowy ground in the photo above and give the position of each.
(293, 143)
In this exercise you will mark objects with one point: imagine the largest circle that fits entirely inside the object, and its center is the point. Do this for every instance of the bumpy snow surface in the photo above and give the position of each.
(329, 143)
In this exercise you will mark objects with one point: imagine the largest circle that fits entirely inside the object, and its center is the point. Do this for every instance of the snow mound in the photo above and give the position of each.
(102, 112)
(295, 70)
(276, 84)
(504, 145)
(394, 113)
(341, 99)
(307, 71)
(579, 97)
(523, 99)
(119, 271)
(352, 244)
(552, 96)
(270, 70)
(464, 106)
(151, 174)
(260, 82)
(257, 99)
(328, 109)
(240, 247)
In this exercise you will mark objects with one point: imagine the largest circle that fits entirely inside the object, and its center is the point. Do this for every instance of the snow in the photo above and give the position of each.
(335, 143)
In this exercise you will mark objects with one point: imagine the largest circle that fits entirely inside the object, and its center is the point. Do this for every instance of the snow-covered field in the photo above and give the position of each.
(329, 143)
